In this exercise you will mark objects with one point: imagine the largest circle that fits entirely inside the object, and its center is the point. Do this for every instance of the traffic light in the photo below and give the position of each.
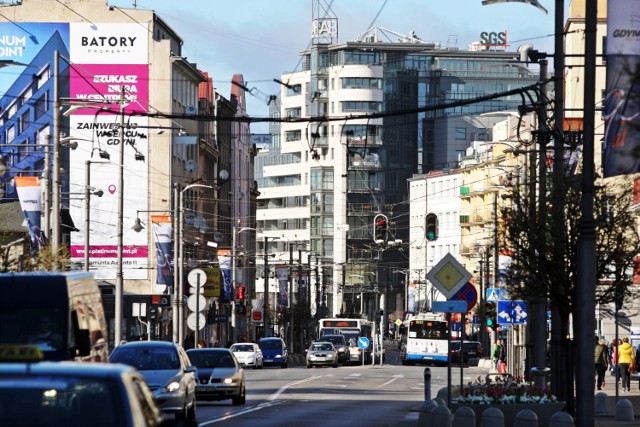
(240, 292)
(490, 315)
(432, 226)
(380, 229)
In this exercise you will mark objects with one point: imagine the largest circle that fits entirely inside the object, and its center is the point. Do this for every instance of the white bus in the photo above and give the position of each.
(424, 339)
(352, 329)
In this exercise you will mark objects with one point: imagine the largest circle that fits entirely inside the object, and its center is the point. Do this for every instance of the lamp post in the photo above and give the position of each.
(266, 286)
(234, 332)
(180, 269)
(87, 211)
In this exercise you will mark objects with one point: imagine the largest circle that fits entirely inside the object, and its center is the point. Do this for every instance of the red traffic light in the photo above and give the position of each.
(240, 292)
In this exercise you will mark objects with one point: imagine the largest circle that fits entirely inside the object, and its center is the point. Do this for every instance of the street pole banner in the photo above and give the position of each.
(30, 195)
(282, 275)
(622, 99)
(163, 230)
(225, 262)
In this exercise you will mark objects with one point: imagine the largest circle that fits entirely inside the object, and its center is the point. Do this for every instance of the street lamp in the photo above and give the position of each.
(87, 210)
(266, 285)
(180, 269)
(233, 280)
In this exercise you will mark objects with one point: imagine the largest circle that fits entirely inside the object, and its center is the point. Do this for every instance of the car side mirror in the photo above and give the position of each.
(189, 369)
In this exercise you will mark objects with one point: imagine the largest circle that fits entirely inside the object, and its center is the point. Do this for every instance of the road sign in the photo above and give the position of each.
(398, 322)
(363, 342)
(467, 294)
(451, 306)
(201, 302)
(512, 312)
(496, 294)
(191, 321)
(196, 274)
(448, 276)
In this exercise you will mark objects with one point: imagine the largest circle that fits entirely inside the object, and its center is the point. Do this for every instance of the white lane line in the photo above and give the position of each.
(285, 387)
(395, 377)
(243, 412)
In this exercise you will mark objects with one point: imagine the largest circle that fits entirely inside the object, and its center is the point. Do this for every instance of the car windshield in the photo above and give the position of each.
(55, 400)
(236, 348)
(321, 347)
(270, 345)
(211, 359)
(146, 359)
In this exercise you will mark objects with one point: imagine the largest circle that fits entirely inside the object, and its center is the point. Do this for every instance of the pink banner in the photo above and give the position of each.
(105, 81)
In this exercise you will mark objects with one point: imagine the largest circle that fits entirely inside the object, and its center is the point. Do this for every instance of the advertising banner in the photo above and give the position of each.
(30, 196)
(622, 99)
(163, 233)
(225, 261)
(282, 275)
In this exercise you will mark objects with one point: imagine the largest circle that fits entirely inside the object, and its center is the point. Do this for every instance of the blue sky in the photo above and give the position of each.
(261, 39)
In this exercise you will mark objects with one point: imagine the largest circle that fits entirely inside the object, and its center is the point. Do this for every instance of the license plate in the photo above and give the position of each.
(321, 358)
(206, 388)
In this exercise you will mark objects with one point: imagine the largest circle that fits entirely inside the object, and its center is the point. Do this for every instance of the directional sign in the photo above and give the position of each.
(512, 312)
(448, 276)
(467, 294)
(363, 342)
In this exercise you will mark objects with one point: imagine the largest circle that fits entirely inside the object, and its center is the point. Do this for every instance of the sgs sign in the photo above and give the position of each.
(493, 38)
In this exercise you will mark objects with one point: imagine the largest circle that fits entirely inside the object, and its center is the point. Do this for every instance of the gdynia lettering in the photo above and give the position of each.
(108, 41)
(626, 33)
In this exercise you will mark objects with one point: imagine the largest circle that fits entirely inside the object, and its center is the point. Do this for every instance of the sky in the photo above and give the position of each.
(262, 39)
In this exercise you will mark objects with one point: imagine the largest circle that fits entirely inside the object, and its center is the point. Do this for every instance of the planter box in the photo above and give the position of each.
(544, 411)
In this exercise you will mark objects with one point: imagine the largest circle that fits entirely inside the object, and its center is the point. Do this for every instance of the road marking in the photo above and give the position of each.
(285, 387)
(395, 377)
(243, 412)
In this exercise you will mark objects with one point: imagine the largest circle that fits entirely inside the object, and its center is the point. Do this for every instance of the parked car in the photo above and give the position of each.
(248, 354)
(67, 393)
(472, 350)
(322, 353)
(168, 371)
(274, 351)
(340, 343)
(220, 376)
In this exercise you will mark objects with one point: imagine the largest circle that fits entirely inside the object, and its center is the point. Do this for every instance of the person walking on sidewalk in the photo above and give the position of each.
(626, 357)
(601, 362)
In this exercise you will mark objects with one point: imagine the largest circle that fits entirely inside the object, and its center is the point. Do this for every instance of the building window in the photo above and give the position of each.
(41, 106)
(293, 90)
(365, 106)
(294, 112)
(294, 135)
(461, 133)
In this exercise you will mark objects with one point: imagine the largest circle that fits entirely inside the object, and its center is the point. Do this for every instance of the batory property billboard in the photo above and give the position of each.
(98, 63)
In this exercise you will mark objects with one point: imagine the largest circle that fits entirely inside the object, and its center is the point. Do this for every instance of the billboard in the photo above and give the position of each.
(97, 64)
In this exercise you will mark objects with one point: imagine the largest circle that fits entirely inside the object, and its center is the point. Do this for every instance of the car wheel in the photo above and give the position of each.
(335, 365)
(182, 414)
(240, 399)
(309, 365)
(284, 365)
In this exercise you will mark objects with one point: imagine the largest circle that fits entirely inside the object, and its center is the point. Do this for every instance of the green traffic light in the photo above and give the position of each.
(431, 236)
(489, 322)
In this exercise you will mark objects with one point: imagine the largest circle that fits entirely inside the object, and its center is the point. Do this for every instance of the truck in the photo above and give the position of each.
(59, 312)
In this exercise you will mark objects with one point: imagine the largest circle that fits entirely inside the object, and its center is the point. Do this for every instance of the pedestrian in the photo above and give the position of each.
(626, 358)
(498, 354)
(600, 362)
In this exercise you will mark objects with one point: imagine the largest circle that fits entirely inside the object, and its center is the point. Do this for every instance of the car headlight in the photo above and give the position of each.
(278, 355)
(330, 356)
(174, 386)
(228, 380)
(341, 350)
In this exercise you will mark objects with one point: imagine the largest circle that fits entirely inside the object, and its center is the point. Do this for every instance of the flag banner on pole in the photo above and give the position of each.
(282, 275)
(30, 195)
(622, 100)
(163, 230)
(225, 261)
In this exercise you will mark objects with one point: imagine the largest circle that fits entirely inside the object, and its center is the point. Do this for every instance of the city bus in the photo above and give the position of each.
(60, 313)
(352, 329)
(423, 339)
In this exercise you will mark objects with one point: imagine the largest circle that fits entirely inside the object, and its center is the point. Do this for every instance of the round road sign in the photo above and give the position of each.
(195, 275)
(363, 342)
(191, 321)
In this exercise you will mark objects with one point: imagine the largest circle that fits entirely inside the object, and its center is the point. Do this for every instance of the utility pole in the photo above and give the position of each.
(55, 177)
(119, 273)
(266, 288)
(290, 299)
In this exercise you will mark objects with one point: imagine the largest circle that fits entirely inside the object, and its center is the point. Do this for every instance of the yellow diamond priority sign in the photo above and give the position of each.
(448, 276)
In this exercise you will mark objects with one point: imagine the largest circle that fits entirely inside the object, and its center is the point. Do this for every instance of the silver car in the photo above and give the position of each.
(248, 354)
(220, 376)
(322, 353)
(168, 371)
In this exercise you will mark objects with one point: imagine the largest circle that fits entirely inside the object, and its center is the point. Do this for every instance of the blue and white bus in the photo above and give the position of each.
(352, 329)
(424, 339)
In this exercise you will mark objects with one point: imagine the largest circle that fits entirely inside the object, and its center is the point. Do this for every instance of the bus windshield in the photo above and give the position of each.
(427, 329)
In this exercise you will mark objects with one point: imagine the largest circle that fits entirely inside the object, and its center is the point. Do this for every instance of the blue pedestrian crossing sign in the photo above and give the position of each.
(496, 294)
(512, 312)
